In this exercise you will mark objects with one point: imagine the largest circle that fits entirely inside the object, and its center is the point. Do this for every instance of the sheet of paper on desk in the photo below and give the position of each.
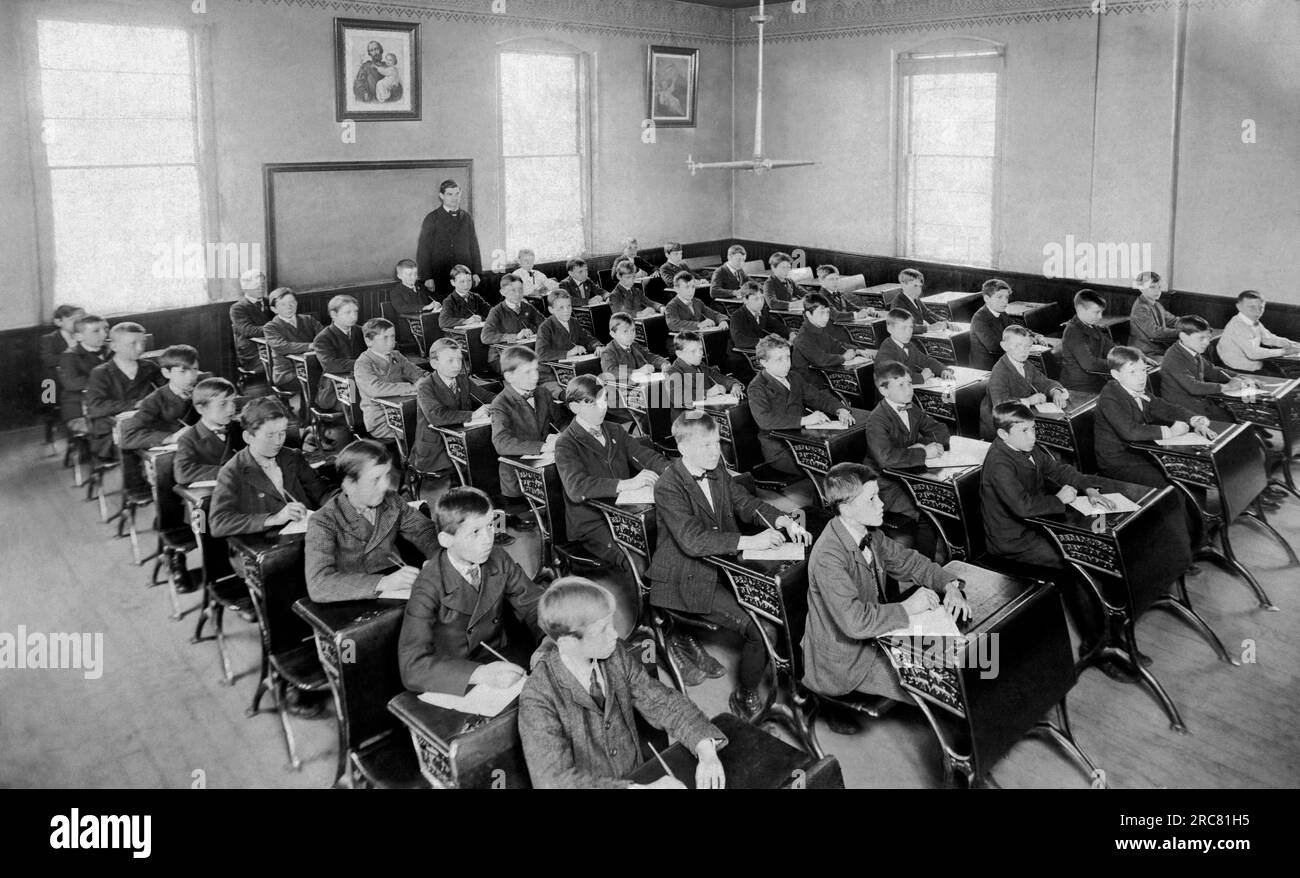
(480, 700)
(1039, 348)
(579, 359)
(783, 552)
(828, 425)
(720, 399)
(1087, 507)
(635, 498)
(857, 361)
(297, 527)
(647, 377)
(206, 483)
(538, 460)
(961, 452)
(1185, 439)
(164, 448)
(1245, 393)
(937, 384)
(1049, 408)
(931, 623)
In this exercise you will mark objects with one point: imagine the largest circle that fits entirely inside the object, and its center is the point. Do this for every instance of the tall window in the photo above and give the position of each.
(949, 129)
(120, 139)
(544, 153)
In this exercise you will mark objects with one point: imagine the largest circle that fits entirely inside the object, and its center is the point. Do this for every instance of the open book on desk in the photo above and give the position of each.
(539, 460)
(480, 700)
(297, 527)
(1186, 439)
(931, 623)
(826, 425)
(783, 552)
(1087, 507)
(646, 377)
(635, 498)
(961, 452)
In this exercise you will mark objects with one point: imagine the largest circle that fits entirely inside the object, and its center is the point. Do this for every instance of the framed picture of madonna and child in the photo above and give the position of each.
(376, 70)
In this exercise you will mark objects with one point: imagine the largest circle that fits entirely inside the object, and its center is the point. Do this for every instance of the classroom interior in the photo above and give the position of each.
(1098, 140)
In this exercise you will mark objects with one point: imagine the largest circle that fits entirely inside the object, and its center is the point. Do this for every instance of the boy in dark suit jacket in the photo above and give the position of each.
(690, 379)
(818, 345)
(672, 263)
(457, 603)
(511, 321)
(267, 484)
(1152, 329)
(900, 348)
(729, 276)
(754, 320)
(900, 434)
(624, 355)
(164, 414)
(697, 505)
(247, 318)
(909, 299)
(989, 322)
(1188, 379)
(581, 288)
(76, 364)
(202, 449)
(52, 346)
(577, 713)
(289, 333)
(118, 385)
(560, 336)
(463, 305)
(445, 398)
(598, 461)
(337, 347)
(779, 291)
(525, 419)
(1084, 345)
(407, 298)
(1015, 379)
(686, 312)
(780, 400)
(628, 295)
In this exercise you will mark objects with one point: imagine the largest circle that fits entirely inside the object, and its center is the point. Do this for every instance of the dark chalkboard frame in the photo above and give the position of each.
(271, 171)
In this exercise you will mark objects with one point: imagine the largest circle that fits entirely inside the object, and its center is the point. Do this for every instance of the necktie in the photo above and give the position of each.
(864, 547)
(903, 408)
(532, 403)
(220, 435)
(599, 436)
(597, 694)
(474, 576)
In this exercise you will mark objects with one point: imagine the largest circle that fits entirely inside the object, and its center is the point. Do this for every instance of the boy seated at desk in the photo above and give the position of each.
(288, 333)
(672, 263)
(779, 400)
(779, 291)
(446, 398)
(463, 305)
(697, 504)
(1152, 329)
(525, 420)
(52, 345)
(533, 281)
(267, 484)
(690, 379)
(624, 356)
(118, 385)
(581, 288)
(382, 371)
(819, 345)
(351, 550)
(202, 449)
(560, 336)
(899, 348)
(989, 322)
(337, 348)
(1020, 480)
(909, 299)
(728, 277)
(1084, 344)
(598, 461)
(686, 311)
(1189, 379)
(901, 434)
(628, 295)
(89, 333)
(511, 321)
(406, 298)
(630, 250)
(754, 319)
(455, 616)
(1015, 379)
(1246, 346)
(848, 606)
(577, 712)
(164, 414)
(830, 279)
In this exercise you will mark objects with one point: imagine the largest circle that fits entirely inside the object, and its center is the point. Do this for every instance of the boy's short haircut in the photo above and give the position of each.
(1015, 330)
(683, 276)
(447, 184)
(991, 286)
(261, 410)
(750, 288)
(509, 280)
(734, 249)
(86, 320)
(583, 388)
(628, 240)
(1121, 355)
(1192, 323)
(570, 604)
(777, 258)
(826, 270)
(209, 389)
(1249, 294)
(576, 262)
(813, 301)
(556, 295)
(1148, 275)
(624, 266)
(63, 312)
(768, 344)
(671, 247)
(897, 316)
(126, 328)
(620, 318)
(691, 424)
(359, 454)
(910, 274)
(404, 263)
(443, 344)
(458, 504)
(844, 482)
(179, 355)
(252, 279)
(1006, 415)
(457, 270)
(515, 356)
(529, 250)
(1088, 297)
(279, 293)
(337, 302)
(887, 371)
(682, 339)
(376, 326)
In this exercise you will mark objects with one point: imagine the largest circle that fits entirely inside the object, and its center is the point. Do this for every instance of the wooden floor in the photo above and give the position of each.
(159, 716)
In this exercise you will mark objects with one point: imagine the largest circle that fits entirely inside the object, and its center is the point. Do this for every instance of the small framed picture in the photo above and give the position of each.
(670, 78)
(376, 70)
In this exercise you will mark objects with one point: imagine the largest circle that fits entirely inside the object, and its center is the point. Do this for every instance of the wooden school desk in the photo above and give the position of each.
(816, 451)
(1275, 406)
(473, 455)
(854, 385)
(595, 318)
(463, 751)
(1038, 317)
(1070, 433)
(950, 496)
(956, 403)
(954, 306)
(867, 333)
(950, 346)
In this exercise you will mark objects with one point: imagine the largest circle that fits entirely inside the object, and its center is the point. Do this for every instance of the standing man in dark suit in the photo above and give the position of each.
(447, 237)
(248, 316)
(697, 505)
(446, 398)
(1188, 379)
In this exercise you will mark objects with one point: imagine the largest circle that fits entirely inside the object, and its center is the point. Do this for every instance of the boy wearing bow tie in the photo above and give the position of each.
(203, 448)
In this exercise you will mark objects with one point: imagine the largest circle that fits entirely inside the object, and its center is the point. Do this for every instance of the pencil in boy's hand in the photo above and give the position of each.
(667, 770)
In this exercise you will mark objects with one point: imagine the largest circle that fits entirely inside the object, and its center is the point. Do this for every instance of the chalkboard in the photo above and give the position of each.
(331, 224)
